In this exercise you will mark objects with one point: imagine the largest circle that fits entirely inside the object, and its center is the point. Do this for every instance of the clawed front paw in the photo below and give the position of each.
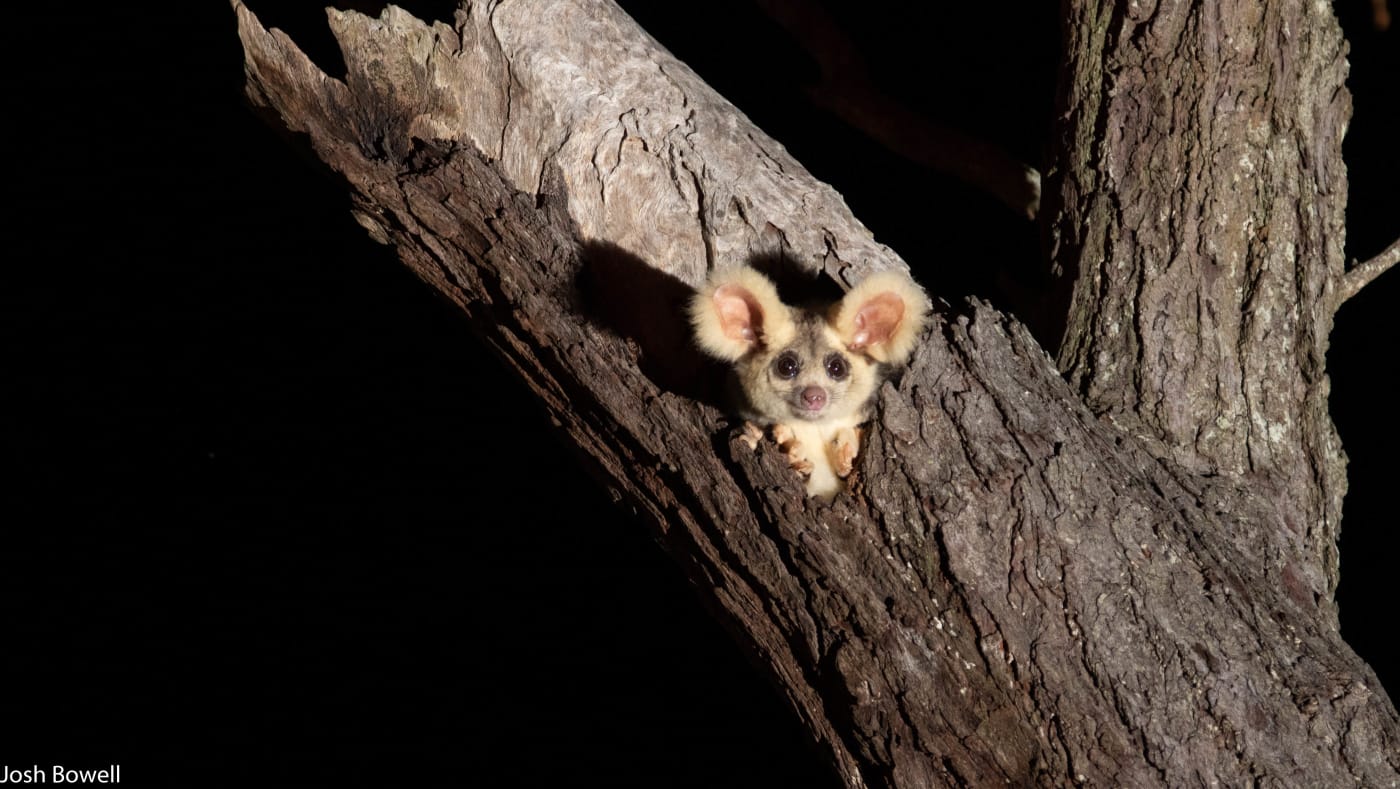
(783, 435)
(787, 441)
(752, 435)
(844, 448)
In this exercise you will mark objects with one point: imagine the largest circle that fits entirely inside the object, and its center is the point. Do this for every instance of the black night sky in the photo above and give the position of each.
(276, 516)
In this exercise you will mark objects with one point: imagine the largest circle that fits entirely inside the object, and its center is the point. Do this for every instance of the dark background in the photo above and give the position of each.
(277, 517)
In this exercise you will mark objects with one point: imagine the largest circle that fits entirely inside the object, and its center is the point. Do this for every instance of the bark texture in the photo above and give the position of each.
(1200, 211)
(1016, 591)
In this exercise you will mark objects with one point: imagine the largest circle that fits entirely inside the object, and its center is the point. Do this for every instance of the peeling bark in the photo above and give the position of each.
(1016, 590)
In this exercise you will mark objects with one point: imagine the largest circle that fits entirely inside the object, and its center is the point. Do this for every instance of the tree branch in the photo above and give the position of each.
(1014, 592)
(1361, 274)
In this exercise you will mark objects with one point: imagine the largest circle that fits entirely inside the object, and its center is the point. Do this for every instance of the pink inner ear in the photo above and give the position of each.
(877, 319)
(739, 313)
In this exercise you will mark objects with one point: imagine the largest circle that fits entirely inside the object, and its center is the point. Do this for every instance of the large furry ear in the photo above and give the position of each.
(737, 311)
(882, 317)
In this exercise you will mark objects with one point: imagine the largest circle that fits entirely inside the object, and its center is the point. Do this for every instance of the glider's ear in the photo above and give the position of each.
(882, 317)
(737, 311)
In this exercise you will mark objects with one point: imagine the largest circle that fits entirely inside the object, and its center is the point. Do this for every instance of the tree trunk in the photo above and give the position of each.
(1017, 590)
(1202, 199)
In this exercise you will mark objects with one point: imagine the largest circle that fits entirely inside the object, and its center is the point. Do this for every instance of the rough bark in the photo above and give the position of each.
(1202, 200)
(1016, 591)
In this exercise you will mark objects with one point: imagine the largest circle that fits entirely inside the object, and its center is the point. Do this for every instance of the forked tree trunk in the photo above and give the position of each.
(1121, 580)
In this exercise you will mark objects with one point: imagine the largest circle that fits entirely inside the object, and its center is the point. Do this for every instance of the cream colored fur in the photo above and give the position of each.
(862, 306)
(734, 300)
(738, 317)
